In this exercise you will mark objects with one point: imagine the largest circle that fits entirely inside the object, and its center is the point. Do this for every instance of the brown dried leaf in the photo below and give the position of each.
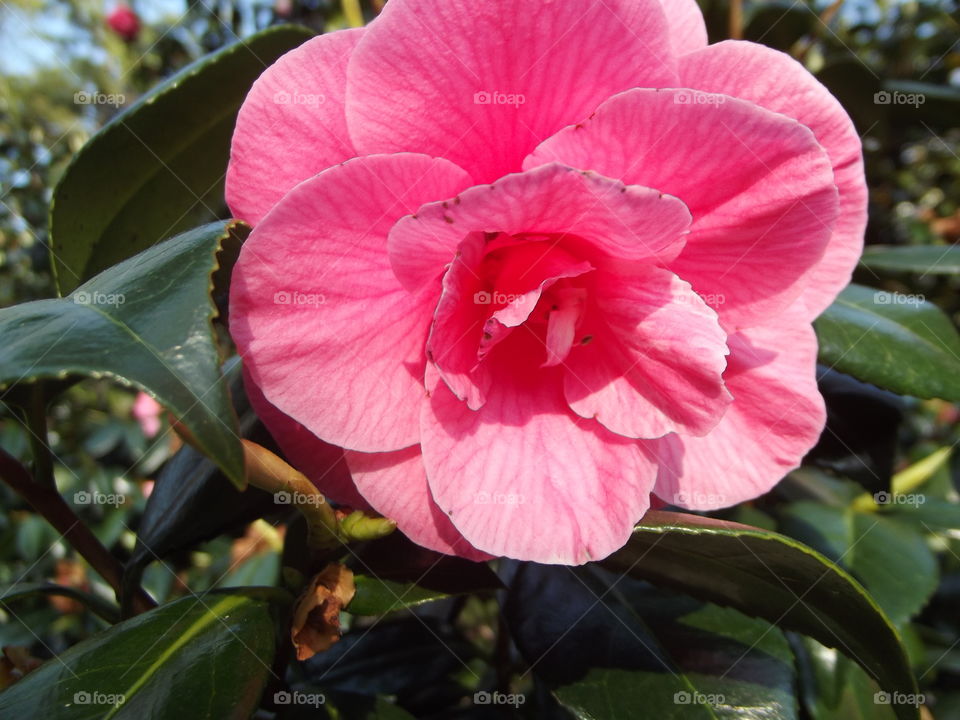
(316, 618)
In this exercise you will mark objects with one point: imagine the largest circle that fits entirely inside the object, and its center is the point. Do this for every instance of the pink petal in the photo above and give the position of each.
(396, 485)
(291, 126)
(323, 326)
(777, 415)
(599, 216)
(465, 330)
(147, 412)
(455, 336)
(321, 462)
(688, 32)
(562, 324)
(524, 477)
(758, 185)
(481, 83)
(654, 361)
(776, 81)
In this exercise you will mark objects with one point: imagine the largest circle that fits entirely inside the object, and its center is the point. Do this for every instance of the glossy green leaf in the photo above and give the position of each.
(835, 688)
(898, 342)
(402, 655)
(901, 582)
(922, 259)
(145, 322)
(773, 577)
(395, 558)
(615, 648)
(200, 657)
(157, 168)
(192, 500)
(22, 591)
(933, 515)
(378, 597)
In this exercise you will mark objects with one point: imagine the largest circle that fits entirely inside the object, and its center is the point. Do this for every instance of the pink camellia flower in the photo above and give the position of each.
(530, 261)
(147, 412)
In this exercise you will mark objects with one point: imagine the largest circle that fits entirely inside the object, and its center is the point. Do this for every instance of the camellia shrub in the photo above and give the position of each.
(498, 323)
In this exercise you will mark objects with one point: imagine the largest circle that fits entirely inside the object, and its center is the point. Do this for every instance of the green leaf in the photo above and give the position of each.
(146, 322)
(613, 647)
(192, 501)
(406, 655)
(395, 558)
(22, 591)
(157, 168)
(901, 582)
(933, 515)
(346, 706)
(835, 688)
(898, 342)
(199, 657)
(378, 597)
(923, 259)
(773, 577)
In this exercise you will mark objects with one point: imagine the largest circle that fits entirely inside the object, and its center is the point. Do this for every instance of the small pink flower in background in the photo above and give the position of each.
(529, 262)
(147, 412)
(124, 22)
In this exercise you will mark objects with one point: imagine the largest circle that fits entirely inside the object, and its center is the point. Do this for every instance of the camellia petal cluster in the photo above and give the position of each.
(531, 262)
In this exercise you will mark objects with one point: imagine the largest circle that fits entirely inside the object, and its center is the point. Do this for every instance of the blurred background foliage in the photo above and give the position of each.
(51, 51)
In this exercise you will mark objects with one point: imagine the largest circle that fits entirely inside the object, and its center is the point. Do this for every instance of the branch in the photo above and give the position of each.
(48, 503)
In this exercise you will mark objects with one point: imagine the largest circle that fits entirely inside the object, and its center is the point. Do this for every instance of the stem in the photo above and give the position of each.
(268, 472)
(36, 421)
(48, 503)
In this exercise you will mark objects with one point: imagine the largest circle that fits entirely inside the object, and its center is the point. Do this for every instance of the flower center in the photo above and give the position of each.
(534, 282)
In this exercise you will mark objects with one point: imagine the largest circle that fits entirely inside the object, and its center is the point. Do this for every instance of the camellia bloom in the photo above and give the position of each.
(530, 262)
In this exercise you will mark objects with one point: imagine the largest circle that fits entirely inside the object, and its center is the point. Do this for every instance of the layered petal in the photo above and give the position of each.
(321, 462)
(777, 415)
(776, 81)
(395, 484)
(688, 32)
(291, 126)
(472, 316)
(654, 359)
(323, 326)
(582, 211)
(482, 83)
(759, 186)
(526, 478)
